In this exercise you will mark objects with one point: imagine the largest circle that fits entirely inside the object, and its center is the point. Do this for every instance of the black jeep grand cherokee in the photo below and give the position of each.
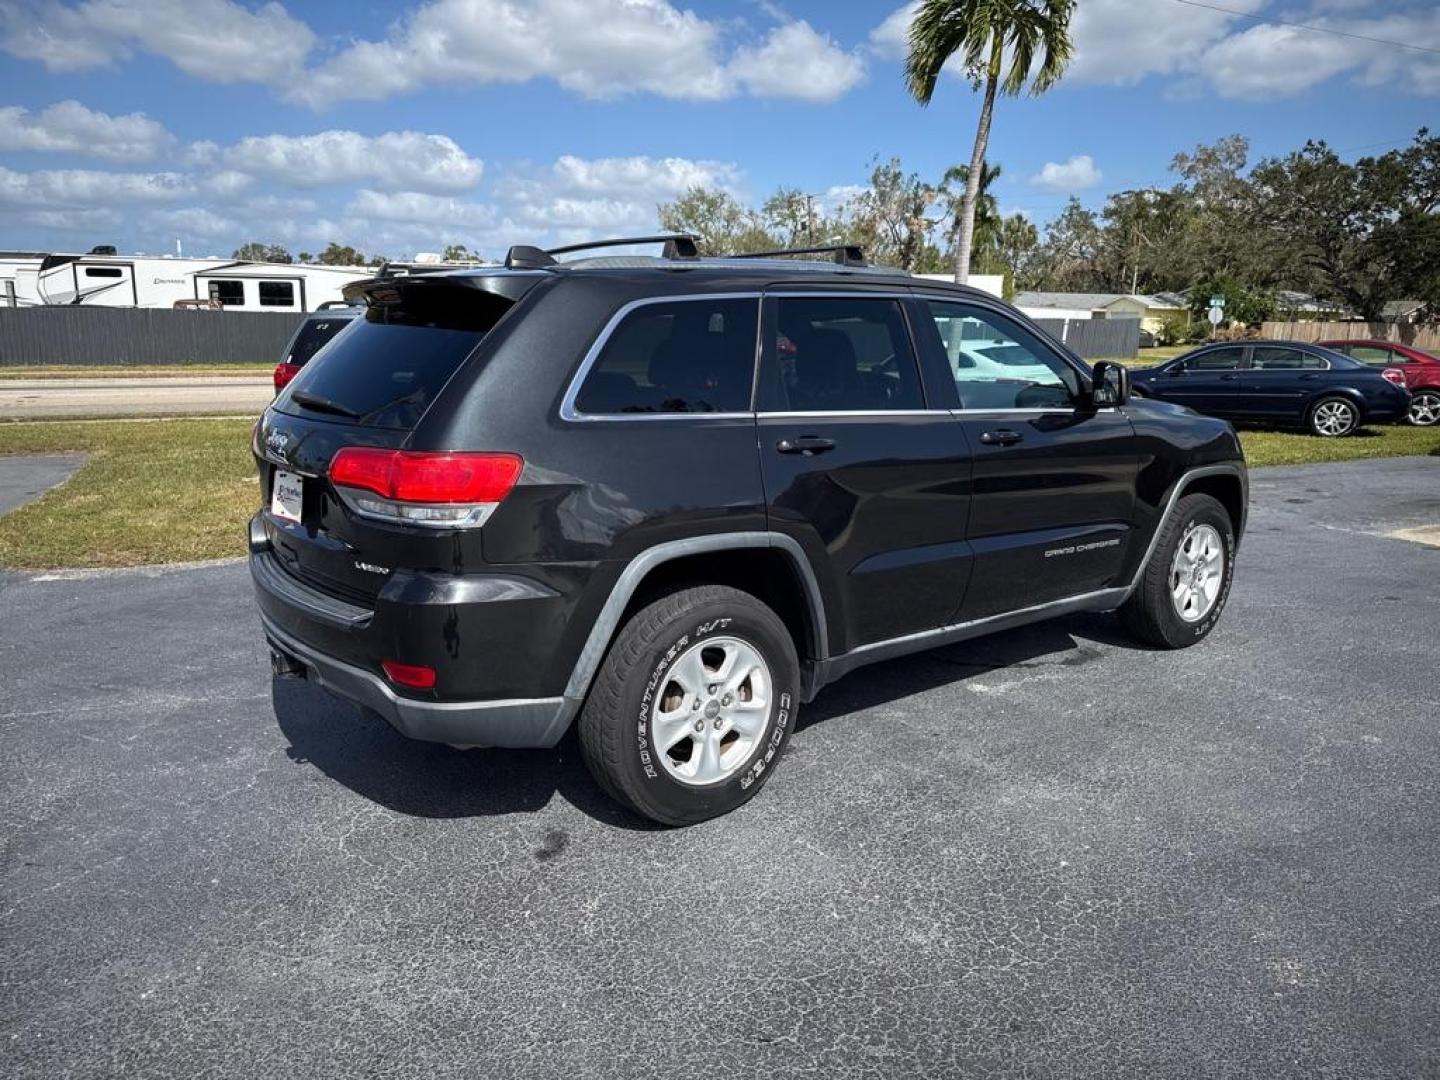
(672, 498)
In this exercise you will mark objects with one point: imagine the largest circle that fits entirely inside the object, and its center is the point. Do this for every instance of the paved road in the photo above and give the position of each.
(49, 399)
(1045, 854)
(28, 476)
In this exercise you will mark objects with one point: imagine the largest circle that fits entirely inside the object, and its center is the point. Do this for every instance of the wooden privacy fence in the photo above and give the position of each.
(1422, 337)
(1096, 338)
(99, 335)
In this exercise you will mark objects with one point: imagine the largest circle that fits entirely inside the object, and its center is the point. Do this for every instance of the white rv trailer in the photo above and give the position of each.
(102, 278)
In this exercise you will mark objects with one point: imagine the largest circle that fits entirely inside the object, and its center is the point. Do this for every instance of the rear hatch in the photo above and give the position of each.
(370, 388)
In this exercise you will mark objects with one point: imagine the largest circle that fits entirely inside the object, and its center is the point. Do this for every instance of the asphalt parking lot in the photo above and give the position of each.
(1048, 853)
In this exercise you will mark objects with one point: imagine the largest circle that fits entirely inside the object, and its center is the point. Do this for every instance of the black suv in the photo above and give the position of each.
(671, 498)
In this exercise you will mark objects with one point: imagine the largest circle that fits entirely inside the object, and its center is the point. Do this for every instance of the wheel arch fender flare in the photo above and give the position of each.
(1191, 480)
(607, 623)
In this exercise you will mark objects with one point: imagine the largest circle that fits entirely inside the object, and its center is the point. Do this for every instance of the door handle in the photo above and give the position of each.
(809, 445)
(1228, 378)
(1002, 437)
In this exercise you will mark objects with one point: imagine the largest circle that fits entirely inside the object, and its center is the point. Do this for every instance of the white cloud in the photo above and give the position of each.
(215, 40)
(193, 221)
(85, 188)
(1077, 174)
(1267, 62)
(418, 207)
(1117, 44)
(576, 198)
(795, 61)
(599, 48)
(396, 160)
(69, 127)
(891, 38)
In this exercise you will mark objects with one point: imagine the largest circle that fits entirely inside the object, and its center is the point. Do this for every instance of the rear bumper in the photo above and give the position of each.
(339, 645)
(524, 722)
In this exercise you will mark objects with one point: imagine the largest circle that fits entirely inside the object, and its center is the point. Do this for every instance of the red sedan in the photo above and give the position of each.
(1419, 370)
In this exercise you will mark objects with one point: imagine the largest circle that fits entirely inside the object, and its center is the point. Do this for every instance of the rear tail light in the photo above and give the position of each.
(440, 490)
(284, 372)
(415, 676)
(1394, 375)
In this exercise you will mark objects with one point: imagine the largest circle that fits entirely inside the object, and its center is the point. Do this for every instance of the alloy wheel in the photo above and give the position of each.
(1197, 572)
(712, 711)
(1334, 418)
(1425, 408)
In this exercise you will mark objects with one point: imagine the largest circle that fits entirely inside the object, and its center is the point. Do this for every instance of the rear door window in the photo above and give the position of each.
(312, 337)
(1278, 358)
(841, 354)
(396, 357)
(1216, 360)
(682, 356)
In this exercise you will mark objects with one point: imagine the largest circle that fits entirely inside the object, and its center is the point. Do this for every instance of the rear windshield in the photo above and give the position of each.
(313, 334)
(394, 359)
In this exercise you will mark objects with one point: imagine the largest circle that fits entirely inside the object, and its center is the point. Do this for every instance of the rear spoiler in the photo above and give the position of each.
(390, 290)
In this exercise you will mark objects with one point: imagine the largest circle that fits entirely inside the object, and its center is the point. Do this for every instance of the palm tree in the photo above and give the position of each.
(986, 227)
(982, 32)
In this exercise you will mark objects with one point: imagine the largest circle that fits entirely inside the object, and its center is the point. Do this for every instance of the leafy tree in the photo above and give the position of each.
(305, 257)
(1365, 233)
(458, 253)
(337, 255)
(987, 213)
(889, 219)
(789, 216)
(1033, 35)
(1243, 305)
(721, 223)
(253, 252)
(1017, 242)
(1143, 230)
(1072, 246)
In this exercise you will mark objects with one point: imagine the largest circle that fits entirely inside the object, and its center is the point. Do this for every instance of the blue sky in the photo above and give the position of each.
(401, 127)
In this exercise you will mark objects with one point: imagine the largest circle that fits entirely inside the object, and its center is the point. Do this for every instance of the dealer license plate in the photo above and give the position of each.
(287, 497)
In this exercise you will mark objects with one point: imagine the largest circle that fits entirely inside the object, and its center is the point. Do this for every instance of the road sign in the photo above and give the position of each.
(1216, 314)
(1217, 301)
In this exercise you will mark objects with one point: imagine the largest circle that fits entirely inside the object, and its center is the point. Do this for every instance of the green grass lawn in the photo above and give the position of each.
(158, 491)
(152, 491)
(131, 371)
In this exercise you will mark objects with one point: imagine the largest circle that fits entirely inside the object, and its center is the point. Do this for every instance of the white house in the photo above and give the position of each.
(994, 284)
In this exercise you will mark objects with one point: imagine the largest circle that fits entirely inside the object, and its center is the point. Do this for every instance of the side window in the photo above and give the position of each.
(688, 356)
(1369, 354)
(229, 293)
(104, 271)
(277, 294)
(998, 364)
(1216, 360)
(841, 354)
(1273, 358)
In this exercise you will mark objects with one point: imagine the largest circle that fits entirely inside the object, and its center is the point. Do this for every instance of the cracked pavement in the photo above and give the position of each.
(1047, 853)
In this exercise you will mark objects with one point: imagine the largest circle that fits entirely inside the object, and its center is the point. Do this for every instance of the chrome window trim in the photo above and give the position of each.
(571, 414)
(832, 414)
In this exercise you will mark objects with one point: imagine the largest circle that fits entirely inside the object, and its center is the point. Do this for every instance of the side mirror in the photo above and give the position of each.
(1110, 384)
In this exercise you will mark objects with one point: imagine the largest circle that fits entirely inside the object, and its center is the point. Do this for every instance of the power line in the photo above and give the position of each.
(1309, 27)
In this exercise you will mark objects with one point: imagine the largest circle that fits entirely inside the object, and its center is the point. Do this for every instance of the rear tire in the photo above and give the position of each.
(1184, 586)
(1333, 418)
(1425, 407)
(692, 706)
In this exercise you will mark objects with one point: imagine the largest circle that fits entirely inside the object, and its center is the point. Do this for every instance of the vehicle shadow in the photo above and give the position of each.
(360, 750)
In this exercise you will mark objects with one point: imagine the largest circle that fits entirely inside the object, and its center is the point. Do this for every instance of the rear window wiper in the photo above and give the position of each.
(322, 404)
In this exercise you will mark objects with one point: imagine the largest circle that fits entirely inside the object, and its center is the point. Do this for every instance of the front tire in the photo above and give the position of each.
(1333, 418)
(1184, 587)
(1424, 407)
(692, 706)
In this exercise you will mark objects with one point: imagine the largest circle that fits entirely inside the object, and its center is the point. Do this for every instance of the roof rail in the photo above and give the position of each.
(844, 254)
(677, 245)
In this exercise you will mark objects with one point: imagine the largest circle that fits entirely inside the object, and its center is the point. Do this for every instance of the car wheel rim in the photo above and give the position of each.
(1334, 418)
(712, 710)
(1425, 409)
(1197, 572)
